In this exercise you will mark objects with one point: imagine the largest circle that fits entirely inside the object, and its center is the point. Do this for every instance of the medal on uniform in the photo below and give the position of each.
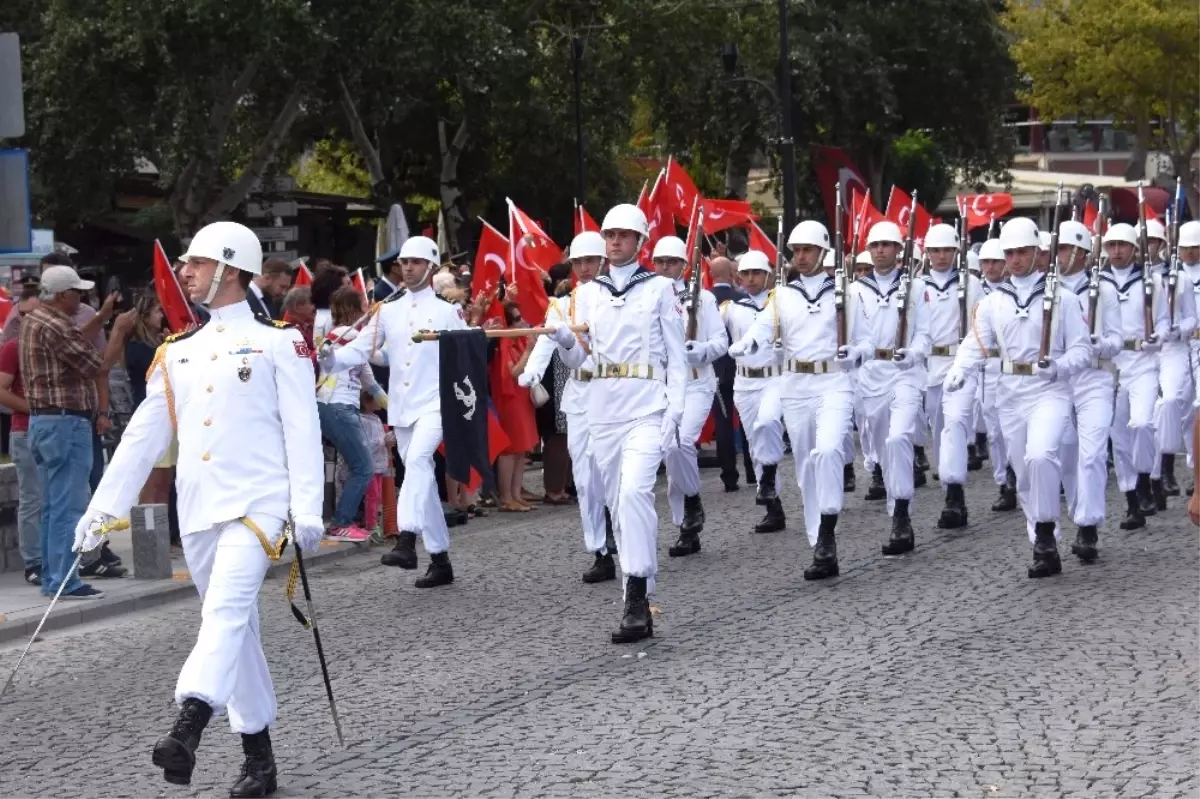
(244, 371)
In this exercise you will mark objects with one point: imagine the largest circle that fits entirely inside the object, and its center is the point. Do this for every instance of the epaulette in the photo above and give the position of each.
(181, 336)
(395, 295)
(727, 302)
(266, 320)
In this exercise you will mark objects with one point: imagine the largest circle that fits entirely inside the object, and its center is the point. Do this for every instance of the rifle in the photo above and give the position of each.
(780, 260)
(1147, 277)
(964, 277)
(1051, 292)
(909, 267)
(693, 322)
(839, 271)
(1098, 261)
(1173, 213)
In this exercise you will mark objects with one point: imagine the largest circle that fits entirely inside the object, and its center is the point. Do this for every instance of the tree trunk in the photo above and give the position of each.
(1141, 146)
(737, 163)
(381, 192)
(453, 203)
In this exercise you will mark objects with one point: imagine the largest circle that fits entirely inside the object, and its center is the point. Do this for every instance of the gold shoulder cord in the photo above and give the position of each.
(160, 361)
(775, 311)
(975, 330)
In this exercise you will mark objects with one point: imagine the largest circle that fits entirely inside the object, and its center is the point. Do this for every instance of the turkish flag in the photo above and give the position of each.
(762, 242)
(899, 206)
(723, 214)
(983, 208)
(303, 276)
(865, 216)
(584, 221)
(681, 192)
(488, 271)
(359, 282)
(1151, 214)
(660, 219)
(533, 255)
(176, 308)
(834, 168)
(694, 231)
(1091, 216)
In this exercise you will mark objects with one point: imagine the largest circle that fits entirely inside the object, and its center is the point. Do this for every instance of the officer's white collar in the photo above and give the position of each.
(226, 313)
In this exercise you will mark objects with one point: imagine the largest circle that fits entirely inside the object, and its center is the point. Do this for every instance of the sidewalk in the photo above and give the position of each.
(22, 605)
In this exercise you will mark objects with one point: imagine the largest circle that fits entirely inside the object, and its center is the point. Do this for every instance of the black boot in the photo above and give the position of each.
(687, 544)
(439, 572)
(1168, 475)
(176, 753)
(1134, 519)
(610, 541)
(974, 462)
(981, 446)
(404, 554)
(602, 570)
(877, 489)
(766, 486)
(919, 459)
(258, 772)
(636, 621)
(693, 515)
(954, 515)
(775, 520)
(825, 560)
(1145, 496)
(919, 479)
(1159, 493)
(1007, 500)
(1085, 543)
(1045, 551)
(902, 532)
(849, 484)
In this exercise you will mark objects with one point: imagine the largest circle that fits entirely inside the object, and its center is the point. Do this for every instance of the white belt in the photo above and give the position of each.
(636, 371)
(1024, 368)
(810, 367)
(582, 375)
(943, 350)
(757, 371)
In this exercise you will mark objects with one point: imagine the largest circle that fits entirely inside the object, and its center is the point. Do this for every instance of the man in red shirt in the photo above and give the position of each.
(29, 488)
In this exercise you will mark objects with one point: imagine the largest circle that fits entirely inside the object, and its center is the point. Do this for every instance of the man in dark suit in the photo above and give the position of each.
(267, 290)
(722, 270)
(389, 281)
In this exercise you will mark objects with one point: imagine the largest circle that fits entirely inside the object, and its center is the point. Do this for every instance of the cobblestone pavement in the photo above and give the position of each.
(946, 672)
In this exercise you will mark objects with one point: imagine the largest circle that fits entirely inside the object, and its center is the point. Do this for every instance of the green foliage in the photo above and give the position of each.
(916, 162)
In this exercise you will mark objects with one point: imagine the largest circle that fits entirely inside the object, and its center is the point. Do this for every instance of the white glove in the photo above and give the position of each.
(843, 361)
(89, 533)
(905, 359)
(307, 532)
(738, 350)
(695, 353)
(669, 434)
(526, 379)
(954, 381)
(562, 334)
(1172, 334)
(1049, 373)
(1151, 346)
(325, 356)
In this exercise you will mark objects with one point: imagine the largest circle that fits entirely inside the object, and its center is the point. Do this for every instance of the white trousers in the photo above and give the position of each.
(1177, 392)
(226, 667)
(1190, 412)
(892, 421)
(627, 456)
(1084, 450)
(997, 449)
(818, 427)
(418, 508)
(683, 471)
(589, 488)
(952, 420)
(870, 458)
(1133, 427)
(1033, 429)
(765, 433)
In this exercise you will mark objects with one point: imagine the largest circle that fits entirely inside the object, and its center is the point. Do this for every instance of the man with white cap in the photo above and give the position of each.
(1034, 397)
(756, 368)
(951, 417)
(237, 379)
(414, 402)
(1133, 437)
(635, 400)
(1084, 450)
(892, 377)
(711, 342)
(1042, 261)
(586, 254)
(1189, 259)
(993, 270)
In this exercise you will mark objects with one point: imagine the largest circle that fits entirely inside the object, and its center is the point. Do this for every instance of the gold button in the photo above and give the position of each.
(214, 356)
(209, 389)
(220, 328)
(205, 457)
(208, 422)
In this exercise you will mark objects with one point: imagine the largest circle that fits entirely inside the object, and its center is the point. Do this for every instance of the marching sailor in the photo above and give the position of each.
(993, 269)
(711, 342)
(635, 400)
(414, 403)
(756, 366)
(238, 378)
(587, 257)
(1189, 258)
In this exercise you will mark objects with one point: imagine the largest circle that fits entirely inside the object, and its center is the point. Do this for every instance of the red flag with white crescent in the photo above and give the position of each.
(489, 268)
(983, 208)
(534, 254)
(176, 308)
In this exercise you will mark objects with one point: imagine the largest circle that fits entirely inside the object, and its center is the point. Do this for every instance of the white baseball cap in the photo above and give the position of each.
(57, 279)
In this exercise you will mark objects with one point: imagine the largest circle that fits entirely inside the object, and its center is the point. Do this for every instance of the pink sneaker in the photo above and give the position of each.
(355, 535)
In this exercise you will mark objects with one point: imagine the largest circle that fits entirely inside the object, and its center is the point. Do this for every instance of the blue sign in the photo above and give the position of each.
(16, 219)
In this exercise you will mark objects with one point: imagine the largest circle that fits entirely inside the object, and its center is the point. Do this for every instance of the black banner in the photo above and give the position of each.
(464, 394)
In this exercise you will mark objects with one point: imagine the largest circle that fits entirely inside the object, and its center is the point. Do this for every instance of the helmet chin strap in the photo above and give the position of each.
(424, 277)
(215, 284)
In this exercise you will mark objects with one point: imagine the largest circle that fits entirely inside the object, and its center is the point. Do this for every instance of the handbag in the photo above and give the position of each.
(539, 395)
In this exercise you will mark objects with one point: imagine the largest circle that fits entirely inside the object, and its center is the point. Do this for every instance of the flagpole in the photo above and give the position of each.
(174, 279)
(504, 332)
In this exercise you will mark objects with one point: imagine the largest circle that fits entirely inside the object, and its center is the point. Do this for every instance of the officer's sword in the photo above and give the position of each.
(120, 524)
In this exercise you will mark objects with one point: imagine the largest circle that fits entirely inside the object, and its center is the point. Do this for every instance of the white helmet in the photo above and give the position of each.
(884, 231)
(228, 243)
(1018, 233)
(754, 260)
(1155, 230)
(588, 244)
(864, 259)
(1044, 239)
(918, 253)
(1074, 234)
(670, 247)
(809, 232)
(828, 262)
(1189, 234)
(941, 235)
(991, 251)
(626, 217)
(1121, 232)
(421, 247)
(972, 261)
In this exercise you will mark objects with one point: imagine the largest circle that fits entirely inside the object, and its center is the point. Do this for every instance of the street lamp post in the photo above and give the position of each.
(576, 58)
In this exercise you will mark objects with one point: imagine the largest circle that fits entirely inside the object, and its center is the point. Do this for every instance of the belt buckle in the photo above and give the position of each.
(941, 350)
(1130, 345)
(883, 354)
(806, 367)
(1023, 369)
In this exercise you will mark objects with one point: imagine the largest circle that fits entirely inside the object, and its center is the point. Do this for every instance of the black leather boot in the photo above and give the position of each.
(1086, 539)
(693, 515)
(175, 754)
(919, 479)
(1134, 519)
(766, 486)
(602, 570)
(636, 621)
(981, 446)
(877, 490)
(974, 462)
(439, 572)
(902, 532)
(610, 541)
(825, 560)
(775, 520)
(849, 483)
(1045, 551)
(1168, 475)
(1145, 496)
(404, 554)
(258, 772)
(686, 544)
(954, 515)
(1007, 501)
(919, 459)
(1159, 493)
